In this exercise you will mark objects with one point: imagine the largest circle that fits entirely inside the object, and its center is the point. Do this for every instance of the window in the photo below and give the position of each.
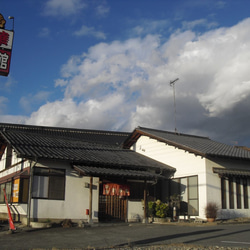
(48, 183)
(7, 187)
(231, 193)
(223, 193)
(8, 156)
(16, 191)
(245, 193)
(193, 195)
(238, 193)
(187, 188)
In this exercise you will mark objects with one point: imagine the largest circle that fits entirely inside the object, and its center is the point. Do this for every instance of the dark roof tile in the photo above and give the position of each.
(195, 144)
(35, 143)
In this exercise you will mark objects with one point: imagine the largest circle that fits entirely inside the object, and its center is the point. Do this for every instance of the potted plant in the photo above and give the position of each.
(211, 211)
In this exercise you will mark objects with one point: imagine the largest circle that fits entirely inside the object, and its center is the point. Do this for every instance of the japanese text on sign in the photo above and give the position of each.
(4, 38)
(4, 61)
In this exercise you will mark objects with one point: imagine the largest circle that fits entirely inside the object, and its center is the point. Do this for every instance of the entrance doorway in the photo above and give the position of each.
(112, 208)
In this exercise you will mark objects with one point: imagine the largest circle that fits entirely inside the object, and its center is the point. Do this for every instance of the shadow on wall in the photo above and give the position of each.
(229, 214)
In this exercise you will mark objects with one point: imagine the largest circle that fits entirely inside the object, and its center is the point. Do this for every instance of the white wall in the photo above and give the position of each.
(76, 198)
(188, 164)
(135, 211)
(185, 163)
(214, 187)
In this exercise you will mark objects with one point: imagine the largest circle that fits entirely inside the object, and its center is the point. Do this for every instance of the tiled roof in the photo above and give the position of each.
(105, 137)
(58, 144)
(231, 172)
(104, 172)
(195, 144)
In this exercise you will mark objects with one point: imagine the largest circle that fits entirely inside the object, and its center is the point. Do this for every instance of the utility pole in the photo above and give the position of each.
(172, 84)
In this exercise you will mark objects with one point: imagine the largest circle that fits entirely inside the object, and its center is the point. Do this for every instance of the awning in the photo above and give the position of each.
(231, 173)
(114, 172)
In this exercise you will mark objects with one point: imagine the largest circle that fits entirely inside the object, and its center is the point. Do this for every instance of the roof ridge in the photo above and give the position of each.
(173, 133)
(60, 129)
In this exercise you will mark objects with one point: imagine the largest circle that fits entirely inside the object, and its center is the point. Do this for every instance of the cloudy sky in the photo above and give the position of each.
(97, 64)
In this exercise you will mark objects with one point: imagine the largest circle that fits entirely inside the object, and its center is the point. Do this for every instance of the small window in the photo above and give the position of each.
(48, 183)
(231, 193)
(24, 191)
(8, 156)
(245, 193)
(223, 193)
(7, 187)
(238, 193)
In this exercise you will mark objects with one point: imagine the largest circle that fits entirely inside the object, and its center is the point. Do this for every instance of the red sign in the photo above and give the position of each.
(5, 57)
(116, 189)
(6, 40)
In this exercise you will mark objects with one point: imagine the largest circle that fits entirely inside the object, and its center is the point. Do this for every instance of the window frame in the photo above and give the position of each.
(231, 192)
(8, 158)
(245, 193)
(175, 188)
(47, 178)
(238, 193)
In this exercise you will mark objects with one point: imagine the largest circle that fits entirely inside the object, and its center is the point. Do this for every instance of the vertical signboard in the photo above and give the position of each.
(15, 190)
(6, 41)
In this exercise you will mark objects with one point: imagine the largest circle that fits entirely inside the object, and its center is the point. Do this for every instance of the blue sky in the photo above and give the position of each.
(98, 64)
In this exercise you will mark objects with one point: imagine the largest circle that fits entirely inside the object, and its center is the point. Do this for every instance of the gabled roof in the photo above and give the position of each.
(194, 144)
(82, 147)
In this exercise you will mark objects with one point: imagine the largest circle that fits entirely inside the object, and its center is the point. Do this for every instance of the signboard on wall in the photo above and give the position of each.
(6, 41)
(115, 189)
(15, 190)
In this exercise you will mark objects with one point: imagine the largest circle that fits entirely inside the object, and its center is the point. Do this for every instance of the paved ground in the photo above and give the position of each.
(131, 236)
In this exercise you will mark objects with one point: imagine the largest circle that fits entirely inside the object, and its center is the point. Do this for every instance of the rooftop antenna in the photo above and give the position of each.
(172, 84)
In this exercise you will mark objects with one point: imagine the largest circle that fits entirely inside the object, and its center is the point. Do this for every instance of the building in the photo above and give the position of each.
(93, 175)
(60, 173)
(206, 171)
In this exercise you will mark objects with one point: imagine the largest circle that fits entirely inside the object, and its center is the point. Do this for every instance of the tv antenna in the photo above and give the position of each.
(172, 84)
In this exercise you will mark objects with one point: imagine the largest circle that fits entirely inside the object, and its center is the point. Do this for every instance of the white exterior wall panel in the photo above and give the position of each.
(214, 187)
(135, 211)
(76, 198)
(185, 163)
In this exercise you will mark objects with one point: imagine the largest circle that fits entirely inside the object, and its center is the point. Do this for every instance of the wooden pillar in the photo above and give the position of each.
(90, 200)
(145, 220)
(30, 191)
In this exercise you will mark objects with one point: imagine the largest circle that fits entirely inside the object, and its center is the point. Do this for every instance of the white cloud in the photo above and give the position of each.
(44, 32)
(63, 7)
(27, 102)
(102, 10)
(3, 104)
(90, 31)
(121, 85)
(87, 114)
(148, 26)
(199, 22)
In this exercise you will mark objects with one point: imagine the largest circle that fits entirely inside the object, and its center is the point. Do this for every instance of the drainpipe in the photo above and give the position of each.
(30, 191)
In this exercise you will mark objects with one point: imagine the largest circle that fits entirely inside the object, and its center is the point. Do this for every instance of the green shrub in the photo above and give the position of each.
(151, 208)
(158, 209)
